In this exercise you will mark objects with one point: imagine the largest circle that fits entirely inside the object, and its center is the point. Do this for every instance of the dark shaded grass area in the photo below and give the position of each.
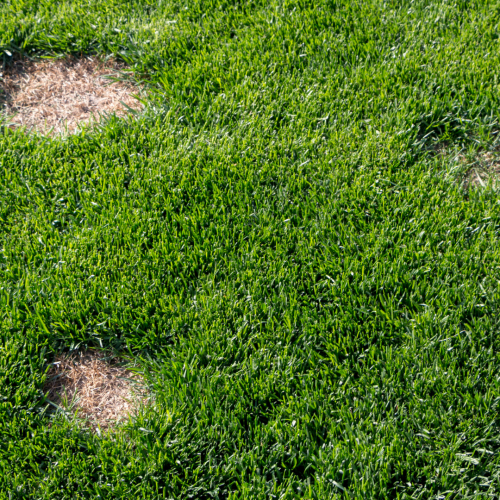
(310, 292)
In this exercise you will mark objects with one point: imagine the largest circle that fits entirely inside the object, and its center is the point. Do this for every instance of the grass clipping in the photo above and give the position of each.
(57, 96)
(94, 385)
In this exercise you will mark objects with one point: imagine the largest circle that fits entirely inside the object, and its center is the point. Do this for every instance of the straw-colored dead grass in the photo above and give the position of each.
(480, 169)
(59, 95)
(486, 169)
(95, 385)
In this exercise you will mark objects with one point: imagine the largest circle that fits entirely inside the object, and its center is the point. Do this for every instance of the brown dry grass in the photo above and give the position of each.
(61, 94)
(481, 168)
(95, 385)
(485, 169)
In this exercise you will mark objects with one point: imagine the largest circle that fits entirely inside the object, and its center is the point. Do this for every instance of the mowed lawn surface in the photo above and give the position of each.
(285, 244)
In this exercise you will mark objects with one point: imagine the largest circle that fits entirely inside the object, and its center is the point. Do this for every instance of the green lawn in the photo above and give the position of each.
(308, 288)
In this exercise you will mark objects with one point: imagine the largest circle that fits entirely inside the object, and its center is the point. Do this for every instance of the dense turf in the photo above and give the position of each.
(311, 294)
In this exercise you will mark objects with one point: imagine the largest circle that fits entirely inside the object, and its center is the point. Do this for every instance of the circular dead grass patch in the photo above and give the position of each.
(485, 169)
(477, 169)
(58, 95)
(95, 385)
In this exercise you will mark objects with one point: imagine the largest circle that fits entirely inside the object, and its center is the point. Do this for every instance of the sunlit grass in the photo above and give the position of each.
(282, 243)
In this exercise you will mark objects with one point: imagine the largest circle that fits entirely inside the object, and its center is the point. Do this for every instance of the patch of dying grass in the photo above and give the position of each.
(485, 169)
(94, 384)
(478, 169)
(58, 95)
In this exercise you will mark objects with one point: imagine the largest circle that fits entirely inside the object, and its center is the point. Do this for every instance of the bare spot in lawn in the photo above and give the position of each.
(93, 384)
(61, 94)
(478, 169)
(485, 169)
